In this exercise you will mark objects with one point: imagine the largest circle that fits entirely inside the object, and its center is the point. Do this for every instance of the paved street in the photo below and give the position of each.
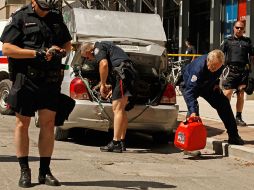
(80, 165)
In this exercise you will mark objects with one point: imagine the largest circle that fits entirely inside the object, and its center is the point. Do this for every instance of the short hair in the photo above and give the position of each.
(216, 55)
(188, 40)
(86, 46)
(240, 21)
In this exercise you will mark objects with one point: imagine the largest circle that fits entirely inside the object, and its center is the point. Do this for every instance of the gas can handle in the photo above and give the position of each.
(193, 119)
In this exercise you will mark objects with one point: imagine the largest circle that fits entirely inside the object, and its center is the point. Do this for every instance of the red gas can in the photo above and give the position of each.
(191, 134)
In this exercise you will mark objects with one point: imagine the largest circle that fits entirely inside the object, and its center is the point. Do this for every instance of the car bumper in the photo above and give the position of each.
(87, 114)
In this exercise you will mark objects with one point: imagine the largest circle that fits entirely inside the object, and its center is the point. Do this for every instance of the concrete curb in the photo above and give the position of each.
(224, 149)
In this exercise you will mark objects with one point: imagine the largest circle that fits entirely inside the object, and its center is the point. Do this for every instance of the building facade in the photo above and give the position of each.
(205, 22)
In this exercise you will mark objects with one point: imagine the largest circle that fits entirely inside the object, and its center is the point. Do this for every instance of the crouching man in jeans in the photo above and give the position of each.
(113, 62)
(201, 79)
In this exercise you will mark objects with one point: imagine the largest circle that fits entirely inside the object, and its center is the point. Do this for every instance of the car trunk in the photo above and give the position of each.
(140, 35)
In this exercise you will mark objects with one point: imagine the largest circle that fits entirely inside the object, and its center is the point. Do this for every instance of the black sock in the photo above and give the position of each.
(23, 162)
(116, 142)
(44, 164)
(238, 114)
(123, 140)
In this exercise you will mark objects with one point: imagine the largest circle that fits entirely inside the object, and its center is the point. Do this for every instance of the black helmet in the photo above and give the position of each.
(47, 4)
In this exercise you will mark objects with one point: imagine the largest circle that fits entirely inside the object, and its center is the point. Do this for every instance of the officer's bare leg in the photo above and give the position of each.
(240, 101)
(22, 149)
(46, 136)
(124, 126)
(239, 108)
(120, 117)
(46, 145)
(228, 93)
(21, 135)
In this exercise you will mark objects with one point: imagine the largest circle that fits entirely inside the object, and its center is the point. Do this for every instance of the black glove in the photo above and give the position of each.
(56, 54)
(249, 86)
(41, 56)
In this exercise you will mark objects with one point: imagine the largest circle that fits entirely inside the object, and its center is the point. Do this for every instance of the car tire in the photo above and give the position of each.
(5, 87)
(163, 137)
(78, 134)
(60, 134)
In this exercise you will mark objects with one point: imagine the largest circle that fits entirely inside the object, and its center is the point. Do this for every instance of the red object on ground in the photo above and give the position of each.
(191, 135)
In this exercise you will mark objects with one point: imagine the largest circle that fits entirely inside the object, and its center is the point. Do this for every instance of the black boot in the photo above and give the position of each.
(123, 145)
(47, 178)
(25, 178)
(113, 146)
(240, 122)
(236, 140)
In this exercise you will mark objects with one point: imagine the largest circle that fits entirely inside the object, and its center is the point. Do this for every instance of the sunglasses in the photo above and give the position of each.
(238, 27)
(43, 8)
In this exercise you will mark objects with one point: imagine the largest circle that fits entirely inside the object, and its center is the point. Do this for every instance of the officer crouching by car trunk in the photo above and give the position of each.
(114, 63)
(35, 40)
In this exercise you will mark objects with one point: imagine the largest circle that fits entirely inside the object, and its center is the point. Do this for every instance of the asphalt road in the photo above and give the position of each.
(79, 164)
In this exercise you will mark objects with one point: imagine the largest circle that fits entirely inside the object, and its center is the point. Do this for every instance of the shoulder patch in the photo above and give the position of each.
(194, 78)
(9, 21)
(96, 51)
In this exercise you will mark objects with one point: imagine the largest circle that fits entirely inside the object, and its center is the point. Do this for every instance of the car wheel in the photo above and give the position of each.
(60, 134)
(5, 86)
(78, 134)
(163, 137)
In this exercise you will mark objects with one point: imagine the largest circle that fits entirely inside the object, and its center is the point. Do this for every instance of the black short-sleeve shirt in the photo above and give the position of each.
(27, 30)
(107, 50)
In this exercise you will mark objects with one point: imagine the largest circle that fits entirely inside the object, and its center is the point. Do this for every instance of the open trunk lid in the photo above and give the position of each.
(87, 23)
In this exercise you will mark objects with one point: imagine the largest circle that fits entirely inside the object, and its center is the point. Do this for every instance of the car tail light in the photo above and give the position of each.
(78, 90)
(169, 95)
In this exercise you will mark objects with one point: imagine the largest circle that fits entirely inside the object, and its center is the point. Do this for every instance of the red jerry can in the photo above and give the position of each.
(191, 134)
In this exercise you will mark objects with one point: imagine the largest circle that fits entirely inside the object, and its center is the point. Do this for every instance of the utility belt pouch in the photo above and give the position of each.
(65, 107)
(119, 71)
(125, 68)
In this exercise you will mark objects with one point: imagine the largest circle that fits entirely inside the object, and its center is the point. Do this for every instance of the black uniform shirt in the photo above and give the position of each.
(107, 50)
(27, 30)
(237, 50)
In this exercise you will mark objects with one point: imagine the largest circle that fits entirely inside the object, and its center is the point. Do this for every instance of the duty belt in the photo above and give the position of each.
(48, 76)
(236, 68)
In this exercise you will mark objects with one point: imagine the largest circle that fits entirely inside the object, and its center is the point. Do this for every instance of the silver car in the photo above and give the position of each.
(142, 37)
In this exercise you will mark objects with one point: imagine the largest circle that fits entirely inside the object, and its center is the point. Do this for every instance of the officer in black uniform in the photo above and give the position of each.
(113, 62)
(237, 49)
(35, 40)
(201, 79)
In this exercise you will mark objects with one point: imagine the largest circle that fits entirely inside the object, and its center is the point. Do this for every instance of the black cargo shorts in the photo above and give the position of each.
(236, 76)
(26, 96)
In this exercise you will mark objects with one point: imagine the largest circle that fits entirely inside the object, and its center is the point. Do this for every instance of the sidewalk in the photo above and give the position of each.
(217, 136)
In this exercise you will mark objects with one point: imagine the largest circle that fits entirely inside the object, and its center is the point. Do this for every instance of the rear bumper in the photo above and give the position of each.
(87, 114)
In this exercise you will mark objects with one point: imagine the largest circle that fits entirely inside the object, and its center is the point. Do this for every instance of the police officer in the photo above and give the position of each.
(115, 63)
(29, 39)
(201, 80)
(237, 49)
